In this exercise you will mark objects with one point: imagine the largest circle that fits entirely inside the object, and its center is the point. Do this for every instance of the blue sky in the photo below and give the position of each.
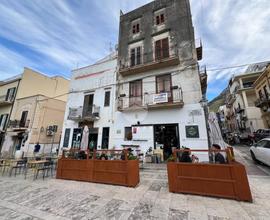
(55, 36)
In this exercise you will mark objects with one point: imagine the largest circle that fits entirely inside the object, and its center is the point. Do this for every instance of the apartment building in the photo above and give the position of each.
(262, 90)
(242, 115)
(35, 113)
(159, 86)
(91, 103)
(8, 90)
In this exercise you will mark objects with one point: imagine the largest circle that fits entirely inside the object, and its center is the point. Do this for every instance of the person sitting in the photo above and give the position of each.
(82, 155)
(185, 157)
(103, 156)
(219, 158)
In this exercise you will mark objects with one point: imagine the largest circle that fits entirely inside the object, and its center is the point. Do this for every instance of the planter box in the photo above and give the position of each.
(219, 180)
(119, 172)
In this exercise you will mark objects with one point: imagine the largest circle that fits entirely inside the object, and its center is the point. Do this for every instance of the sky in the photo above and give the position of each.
(56, 36)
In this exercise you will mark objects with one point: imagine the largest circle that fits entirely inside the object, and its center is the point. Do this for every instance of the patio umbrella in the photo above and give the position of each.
(85, 136)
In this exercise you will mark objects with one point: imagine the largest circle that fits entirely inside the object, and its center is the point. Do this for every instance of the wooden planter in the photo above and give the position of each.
(118, 172)
(218, 180)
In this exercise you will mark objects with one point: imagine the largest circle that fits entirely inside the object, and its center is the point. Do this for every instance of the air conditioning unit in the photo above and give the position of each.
(50, 133)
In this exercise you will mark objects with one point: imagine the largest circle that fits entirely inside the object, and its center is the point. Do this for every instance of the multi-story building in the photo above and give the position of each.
(35, 111)
(242, 115)
(262, 89)
(91, 103)
(159, 87)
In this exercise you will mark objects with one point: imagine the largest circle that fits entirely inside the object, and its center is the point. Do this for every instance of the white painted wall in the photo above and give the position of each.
(95, 79)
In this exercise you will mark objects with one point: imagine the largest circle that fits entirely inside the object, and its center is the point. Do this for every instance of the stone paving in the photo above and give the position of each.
(61, 199)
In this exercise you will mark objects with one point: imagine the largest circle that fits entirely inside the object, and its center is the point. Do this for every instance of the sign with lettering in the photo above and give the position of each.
(160, 98)
(192, 131)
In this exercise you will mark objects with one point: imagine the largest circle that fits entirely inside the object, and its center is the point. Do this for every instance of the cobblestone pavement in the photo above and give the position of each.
(61, 199)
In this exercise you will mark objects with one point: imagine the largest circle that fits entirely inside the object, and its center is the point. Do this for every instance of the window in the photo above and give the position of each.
(10, 94)
(163, 85)
(128, 133)
(88, 104)
(135, 56)
(23, 119)
(135, 93)
(160, 19)
(105, 138)
(107, 98)
(162, 49)
(136, 28)
(3, 121)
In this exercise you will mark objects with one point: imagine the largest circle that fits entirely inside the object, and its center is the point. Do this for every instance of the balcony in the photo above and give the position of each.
(89, 113)
(262, 101)
(17, 125)
(148, 62)
(152, 101)
(4, 100)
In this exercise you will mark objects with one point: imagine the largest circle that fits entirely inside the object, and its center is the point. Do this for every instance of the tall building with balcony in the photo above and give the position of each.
(242, 114)
(32, 109)
(262, 89)
(159, 85)
(91, 103)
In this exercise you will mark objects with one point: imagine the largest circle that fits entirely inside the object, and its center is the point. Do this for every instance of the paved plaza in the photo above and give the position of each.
(61, 199)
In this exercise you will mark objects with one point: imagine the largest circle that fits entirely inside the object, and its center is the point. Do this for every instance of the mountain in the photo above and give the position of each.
(218, 101)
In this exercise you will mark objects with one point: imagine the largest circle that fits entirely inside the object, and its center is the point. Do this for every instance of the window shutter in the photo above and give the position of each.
(157, 20)
(132, 57)
(107, 98)
(158, 49)
(137, 28)
(165, 48)
(162, 18)
(138, 55)
(134, 29)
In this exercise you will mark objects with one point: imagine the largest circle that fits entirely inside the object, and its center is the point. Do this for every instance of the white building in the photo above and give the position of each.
(155, 86)
(91, 102)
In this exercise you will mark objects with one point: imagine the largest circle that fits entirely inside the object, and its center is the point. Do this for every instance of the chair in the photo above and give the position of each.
(3, 165)
(21, 164)
(45, 167)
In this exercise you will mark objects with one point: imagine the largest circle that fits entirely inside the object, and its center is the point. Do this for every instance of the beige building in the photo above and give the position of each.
(35, 114)
(241, 113)
(262, 89)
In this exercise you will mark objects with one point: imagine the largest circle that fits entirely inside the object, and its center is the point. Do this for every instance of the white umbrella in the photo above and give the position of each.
(85, 136)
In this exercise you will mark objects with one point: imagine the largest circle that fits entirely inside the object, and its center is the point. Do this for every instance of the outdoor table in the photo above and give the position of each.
(34, 164)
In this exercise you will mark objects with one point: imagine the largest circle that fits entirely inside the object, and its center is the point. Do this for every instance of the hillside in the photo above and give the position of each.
(218, 101)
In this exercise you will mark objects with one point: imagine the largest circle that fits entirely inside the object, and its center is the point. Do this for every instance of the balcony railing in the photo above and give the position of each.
(148, 61)
(152, 100)
(4, 100)
(84, 113)
(18, 124)
(262, 101)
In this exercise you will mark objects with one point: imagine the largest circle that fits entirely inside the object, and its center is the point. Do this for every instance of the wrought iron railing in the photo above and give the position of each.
(148, 58)
(4, 98)
(18, 124)
(151, 99)
(84, 112)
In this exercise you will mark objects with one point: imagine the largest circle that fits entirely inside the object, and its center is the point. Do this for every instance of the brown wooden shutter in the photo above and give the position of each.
(165, 48)
(162, 18)
(158, 50)
(138, 56)
(157, 20)
(132, 57)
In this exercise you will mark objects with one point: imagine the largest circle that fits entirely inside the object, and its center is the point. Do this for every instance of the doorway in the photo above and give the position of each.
(93, 138)
(166, 136)
(105, 138)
